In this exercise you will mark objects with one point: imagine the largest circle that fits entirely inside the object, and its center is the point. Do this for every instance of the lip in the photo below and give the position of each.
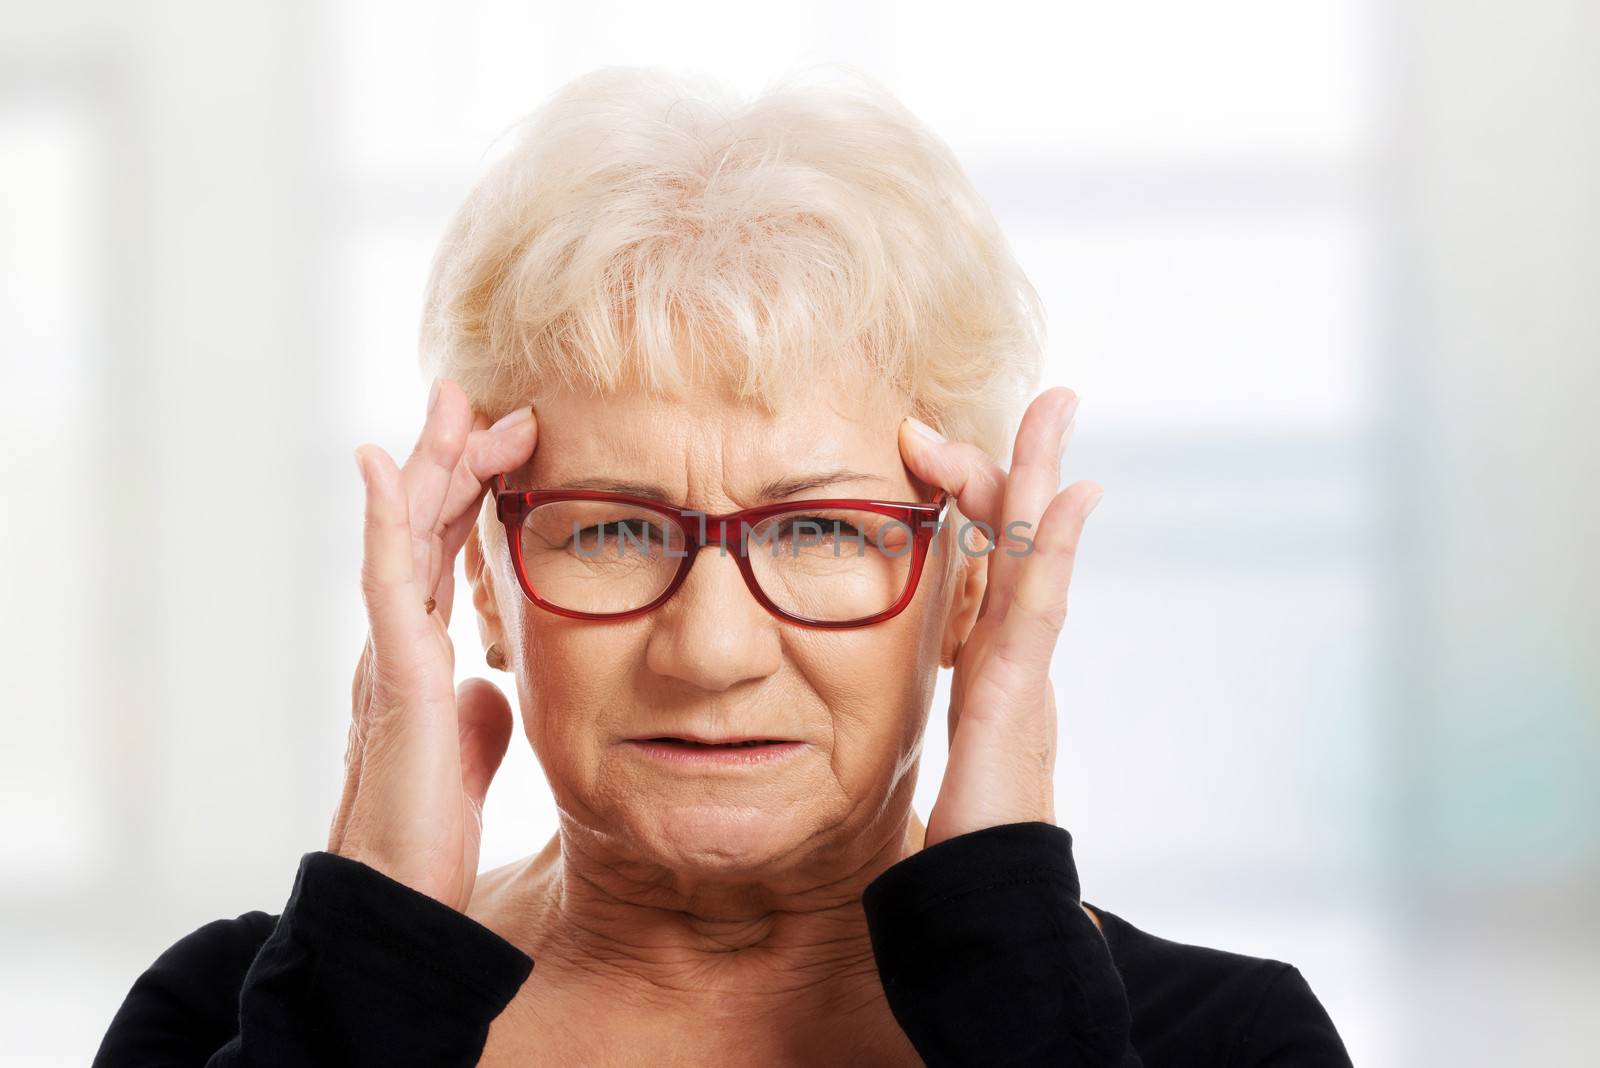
(688, 736)
(658, 747)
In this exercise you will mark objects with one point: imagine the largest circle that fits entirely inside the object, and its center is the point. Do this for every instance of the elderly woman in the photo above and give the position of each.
(721, 391)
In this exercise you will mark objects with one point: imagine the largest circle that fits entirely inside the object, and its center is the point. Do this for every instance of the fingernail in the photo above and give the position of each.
(361, 467)
(924, 429)
(1093, 503)
(433, 395)
(513, 417)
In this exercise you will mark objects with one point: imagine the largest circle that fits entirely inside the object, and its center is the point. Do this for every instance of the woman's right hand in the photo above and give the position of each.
(421, 753)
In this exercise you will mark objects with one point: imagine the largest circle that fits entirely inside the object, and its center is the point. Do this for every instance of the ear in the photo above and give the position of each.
(971, 576)
(484, 601)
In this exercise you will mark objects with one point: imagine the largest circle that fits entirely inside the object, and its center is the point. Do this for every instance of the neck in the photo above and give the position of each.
(647, 937)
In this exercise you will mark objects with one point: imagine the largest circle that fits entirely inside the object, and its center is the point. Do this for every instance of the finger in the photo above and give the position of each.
(395, 609)
(430, 469)
(1027, 637)
(387, 588)
(451, 539)
(1034, 479)
(443, 584)
(490, 451)
(493, 451)
(444, 595)
(505, 446)
(965, 471)
(486, 725)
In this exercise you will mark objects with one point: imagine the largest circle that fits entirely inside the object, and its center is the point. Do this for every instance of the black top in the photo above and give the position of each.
(984, 954)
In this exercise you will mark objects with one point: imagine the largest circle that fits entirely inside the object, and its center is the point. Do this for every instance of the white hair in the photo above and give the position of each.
(650, 227)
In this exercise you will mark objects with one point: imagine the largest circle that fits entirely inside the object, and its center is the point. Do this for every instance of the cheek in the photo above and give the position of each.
(572, 689)
(877, 684)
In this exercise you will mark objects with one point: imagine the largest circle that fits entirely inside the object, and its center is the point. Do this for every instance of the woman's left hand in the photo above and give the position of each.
(1002, 706)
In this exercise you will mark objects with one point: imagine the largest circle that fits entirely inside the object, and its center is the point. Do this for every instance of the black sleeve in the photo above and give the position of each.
(986, 956)
(359, 969)
(1291, 1028)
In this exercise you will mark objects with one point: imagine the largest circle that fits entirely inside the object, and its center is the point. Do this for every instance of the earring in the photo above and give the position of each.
(495, 658)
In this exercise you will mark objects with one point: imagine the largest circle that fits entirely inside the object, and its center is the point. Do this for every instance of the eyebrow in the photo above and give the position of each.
(775, 490)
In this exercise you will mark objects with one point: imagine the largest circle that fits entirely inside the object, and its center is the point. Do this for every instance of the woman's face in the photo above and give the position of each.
(711, 662)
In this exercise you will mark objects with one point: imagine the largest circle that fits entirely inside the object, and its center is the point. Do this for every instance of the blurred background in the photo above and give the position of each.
(1324, 274)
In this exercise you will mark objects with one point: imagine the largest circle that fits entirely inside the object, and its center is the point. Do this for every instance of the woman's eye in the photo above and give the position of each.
(820, 526)
(621, 531)
(609, 530)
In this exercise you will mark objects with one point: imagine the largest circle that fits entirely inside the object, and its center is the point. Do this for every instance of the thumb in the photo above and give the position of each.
(485, 725)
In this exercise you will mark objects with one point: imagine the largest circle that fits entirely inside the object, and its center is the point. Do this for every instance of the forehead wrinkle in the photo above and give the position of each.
(790, 485)
(563, 460)
(776, 489)
(733, 455)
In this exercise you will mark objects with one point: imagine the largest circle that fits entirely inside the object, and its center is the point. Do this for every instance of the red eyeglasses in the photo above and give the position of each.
(834, 563)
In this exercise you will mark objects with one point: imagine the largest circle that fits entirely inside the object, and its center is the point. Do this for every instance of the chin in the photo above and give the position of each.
(725, 839)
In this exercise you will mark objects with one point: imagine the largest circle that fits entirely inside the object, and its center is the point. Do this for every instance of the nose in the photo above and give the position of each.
(712, 633)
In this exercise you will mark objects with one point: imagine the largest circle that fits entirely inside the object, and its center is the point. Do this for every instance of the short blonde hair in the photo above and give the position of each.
(648, 226)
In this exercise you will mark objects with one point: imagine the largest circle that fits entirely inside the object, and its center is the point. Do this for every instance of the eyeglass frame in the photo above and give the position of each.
(513, 505)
